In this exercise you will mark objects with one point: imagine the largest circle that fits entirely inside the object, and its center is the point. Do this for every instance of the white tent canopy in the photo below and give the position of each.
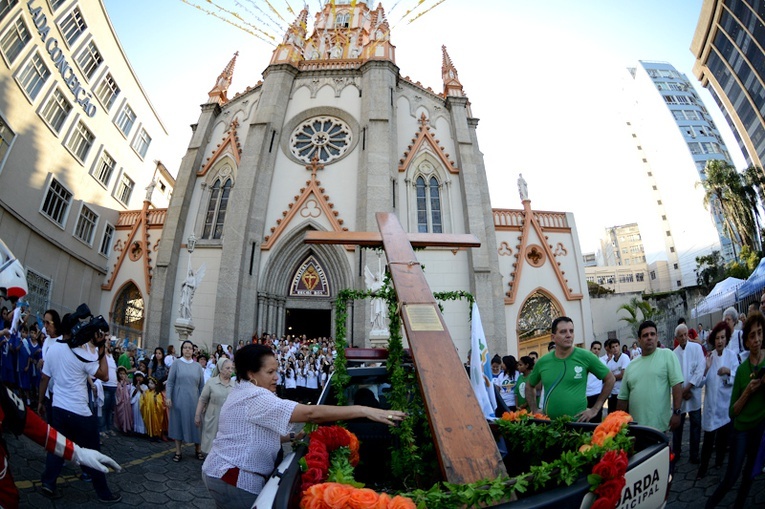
(723, 295)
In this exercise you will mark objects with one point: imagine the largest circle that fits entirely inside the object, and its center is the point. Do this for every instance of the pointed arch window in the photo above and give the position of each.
(429, 217)
(536, 316)
(128, 314)
(216, 209)
(343, 20)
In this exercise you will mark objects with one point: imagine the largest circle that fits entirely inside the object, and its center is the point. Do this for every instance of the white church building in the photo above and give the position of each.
(330, 136)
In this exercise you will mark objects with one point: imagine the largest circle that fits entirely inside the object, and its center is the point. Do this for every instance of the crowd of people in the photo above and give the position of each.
(661, 387)
(91, 390)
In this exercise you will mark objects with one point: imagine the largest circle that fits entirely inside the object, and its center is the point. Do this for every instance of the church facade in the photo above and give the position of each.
(330, 136)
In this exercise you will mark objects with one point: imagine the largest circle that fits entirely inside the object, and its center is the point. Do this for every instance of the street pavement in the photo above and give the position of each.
(151, 479)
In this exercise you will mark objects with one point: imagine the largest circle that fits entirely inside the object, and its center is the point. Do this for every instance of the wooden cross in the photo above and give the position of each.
(466, 448)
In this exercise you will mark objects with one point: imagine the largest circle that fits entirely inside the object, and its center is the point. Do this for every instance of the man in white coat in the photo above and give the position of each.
(693, 364)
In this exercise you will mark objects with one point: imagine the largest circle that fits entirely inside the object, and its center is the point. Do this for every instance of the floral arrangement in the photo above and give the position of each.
(607, 477)
(333, 452)
(522, 415)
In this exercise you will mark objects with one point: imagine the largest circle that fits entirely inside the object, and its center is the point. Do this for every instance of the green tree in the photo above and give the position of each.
(597, 290)
(639, 311)
(709, 270)
(727, 192)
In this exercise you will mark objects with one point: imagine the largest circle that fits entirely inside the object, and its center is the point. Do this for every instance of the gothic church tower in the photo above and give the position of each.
(332, 135)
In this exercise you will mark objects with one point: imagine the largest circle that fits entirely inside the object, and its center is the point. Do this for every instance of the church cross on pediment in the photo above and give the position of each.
(315, 165)
(466, 449)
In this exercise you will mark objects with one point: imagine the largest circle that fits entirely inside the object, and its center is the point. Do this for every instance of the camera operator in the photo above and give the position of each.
(68, 364)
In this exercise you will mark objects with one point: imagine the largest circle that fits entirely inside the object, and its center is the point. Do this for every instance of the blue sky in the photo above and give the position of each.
(542, 76)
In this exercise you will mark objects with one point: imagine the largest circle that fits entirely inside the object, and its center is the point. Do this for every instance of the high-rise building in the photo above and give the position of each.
(79, 144)
(675, 136)
(729, 45)
(621, 264)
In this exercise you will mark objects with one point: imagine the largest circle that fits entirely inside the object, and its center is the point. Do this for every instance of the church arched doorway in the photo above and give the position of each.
(308, 309)
(534, 321)
(128, 314)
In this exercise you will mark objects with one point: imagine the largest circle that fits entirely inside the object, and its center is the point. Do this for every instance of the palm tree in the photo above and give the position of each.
(755, 177)
(637, 306)
(725, 188)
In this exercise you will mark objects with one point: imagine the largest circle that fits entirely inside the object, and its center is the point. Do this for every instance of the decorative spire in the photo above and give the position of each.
(219, 92)
(452, 85)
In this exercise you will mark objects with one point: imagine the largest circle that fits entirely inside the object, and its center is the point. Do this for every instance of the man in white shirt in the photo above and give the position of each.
(70, 369)
(693, 364)
(594, 384)
(736, 344)
(617, 363)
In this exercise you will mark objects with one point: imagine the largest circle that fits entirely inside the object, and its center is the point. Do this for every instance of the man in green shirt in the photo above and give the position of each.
(563, 373)
(648, 382)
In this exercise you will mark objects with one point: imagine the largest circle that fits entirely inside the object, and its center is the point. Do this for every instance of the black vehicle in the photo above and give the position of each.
(647, 473)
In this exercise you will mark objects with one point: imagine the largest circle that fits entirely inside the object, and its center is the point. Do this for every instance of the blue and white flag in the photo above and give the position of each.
(480, 367)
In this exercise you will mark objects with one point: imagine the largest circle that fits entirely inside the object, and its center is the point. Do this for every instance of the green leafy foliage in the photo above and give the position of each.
(340, 469)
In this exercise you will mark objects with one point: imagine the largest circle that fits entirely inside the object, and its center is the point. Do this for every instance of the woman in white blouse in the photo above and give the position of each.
(253, 424)
(718, 380)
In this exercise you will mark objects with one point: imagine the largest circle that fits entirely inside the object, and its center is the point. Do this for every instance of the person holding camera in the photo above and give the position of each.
(68, 364)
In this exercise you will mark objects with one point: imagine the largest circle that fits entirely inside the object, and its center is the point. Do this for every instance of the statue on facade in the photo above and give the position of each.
(374, 283)
(150, 189)
(189, 286)
(523, 188)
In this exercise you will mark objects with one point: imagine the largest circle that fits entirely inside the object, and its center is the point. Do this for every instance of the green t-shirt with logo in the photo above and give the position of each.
(565, 381)
(520, 391)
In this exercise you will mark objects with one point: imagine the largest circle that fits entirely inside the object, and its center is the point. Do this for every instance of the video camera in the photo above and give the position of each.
(85, 331)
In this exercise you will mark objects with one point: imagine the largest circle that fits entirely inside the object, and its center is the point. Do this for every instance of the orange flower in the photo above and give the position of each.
(337, 495)
(399, 502)
(540, 416)
(382, 501)
(599, 437)
(585, 448)
(620, 417)
(363, 498)
(313, 498)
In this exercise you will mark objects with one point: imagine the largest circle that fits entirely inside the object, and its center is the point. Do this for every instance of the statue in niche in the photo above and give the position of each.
(189, 286)
(374, 283)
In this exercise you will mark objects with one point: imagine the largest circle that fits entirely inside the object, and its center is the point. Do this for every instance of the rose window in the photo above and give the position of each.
(326, 138)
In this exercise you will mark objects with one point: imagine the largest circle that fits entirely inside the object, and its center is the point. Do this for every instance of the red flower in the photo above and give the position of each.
(333, 437)
(317, 456)
(611, 490)
(313, 476)
(612, 465)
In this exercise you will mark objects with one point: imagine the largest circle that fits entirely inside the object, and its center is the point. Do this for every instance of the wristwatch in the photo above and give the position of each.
(292, 436)
(677, 411)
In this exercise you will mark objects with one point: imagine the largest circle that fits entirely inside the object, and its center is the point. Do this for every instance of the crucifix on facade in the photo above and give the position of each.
(466, 448)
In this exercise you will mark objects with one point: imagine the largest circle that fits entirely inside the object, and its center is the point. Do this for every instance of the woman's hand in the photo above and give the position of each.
(197, 420)
(389, 417)
(168, 403)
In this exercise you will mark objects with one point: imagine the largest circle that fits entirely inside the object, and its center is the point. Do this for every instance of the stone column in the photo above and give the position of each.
(164, 276)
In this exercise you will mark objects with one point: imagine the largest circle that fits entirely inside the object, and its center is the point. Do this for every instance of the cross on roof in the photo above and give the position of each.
(314, 166)
(466, 448)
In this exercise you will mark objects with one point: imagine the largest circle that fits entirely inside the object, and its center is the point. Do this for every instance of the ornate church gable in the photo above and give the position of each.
(534, 246)
(424, 140)
(139, 245)
(230, 146)
(311, 203)
(310, 280)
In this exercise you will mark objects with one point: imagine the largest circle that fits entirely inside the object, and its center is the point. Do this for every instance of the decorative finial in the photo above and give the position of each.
(452, 85)
(219, 92)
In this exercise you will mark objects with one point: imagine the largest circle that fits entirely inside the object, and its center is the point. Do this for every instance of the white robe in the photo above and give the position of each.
(693, 363)
(718, 391)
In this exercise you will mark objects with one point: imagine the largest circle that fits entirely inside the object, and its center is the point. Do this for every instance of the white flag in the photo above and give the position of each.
(480, 367)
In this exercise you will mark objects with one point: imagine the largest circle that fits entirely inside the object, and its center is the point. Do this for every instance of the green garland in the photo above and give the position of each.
(413, 458)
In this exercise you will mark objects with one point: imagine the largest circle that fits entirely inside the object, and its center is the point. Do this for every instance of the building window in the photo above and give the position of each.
(672, 249)
(128, 314)
(428, 206)
(125, 189)
(57, 201)
(107, 91)
(142, 142)
(216, 210)
(34, 75)
(15, 39)
(679, 284)
(105, 168)
(675, 266)
(39, 292)
(653, 275)
(326, 138)
(73, 26)
(56, 110)
(639, 277)
(90, 59)
(126, 119)
(55, 4)
(6, 138)
(81, 141)
(342, 20)
(6, 6)
(86, 225)
(106, 241)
